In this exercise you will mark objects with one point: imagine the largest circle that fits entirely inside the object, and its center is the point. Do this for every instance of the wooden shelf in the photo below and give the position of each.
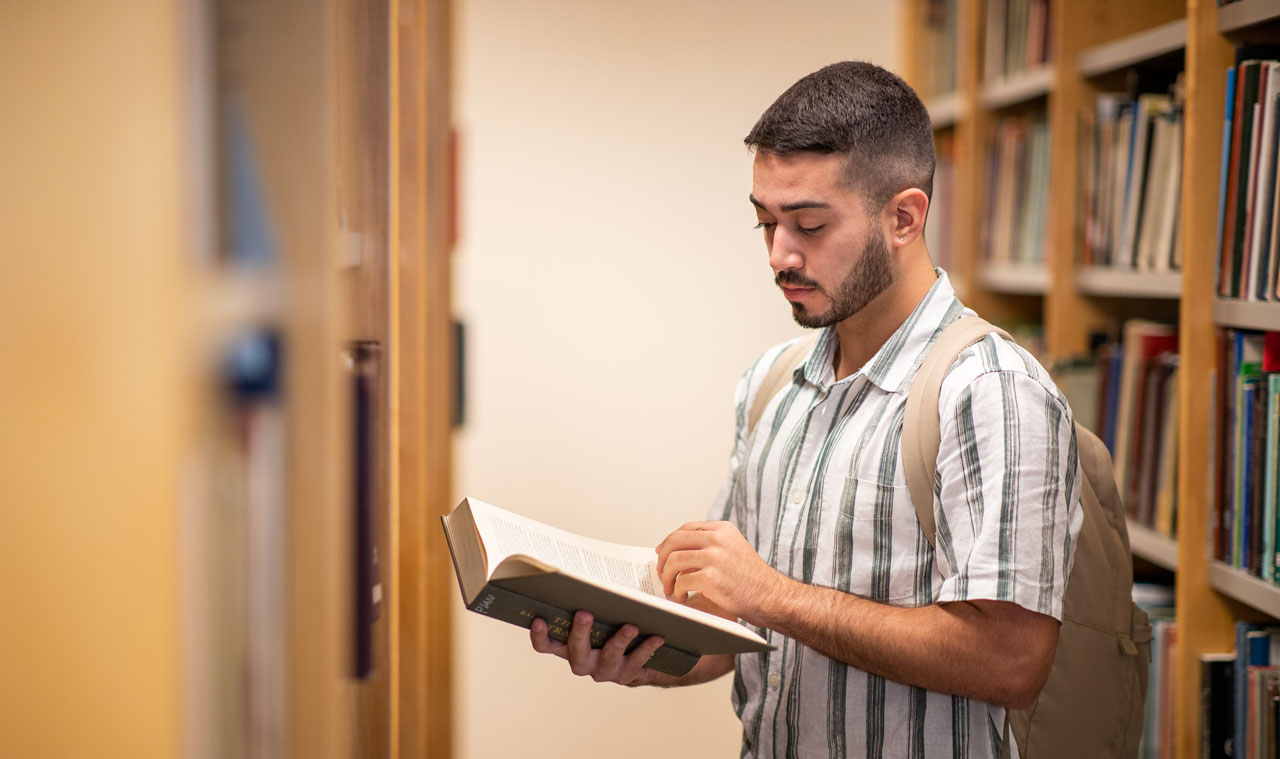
(1237, 17)
(1148, 544)
(1246, 314)
(1017, 88)
(1112, 283)
(1245, 588)
(1136, 48)
(945, 110)
(1015, 279)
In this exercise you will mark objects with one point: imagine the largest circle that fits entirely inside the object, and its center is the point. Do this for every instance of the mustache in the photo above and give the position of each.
(794, 279)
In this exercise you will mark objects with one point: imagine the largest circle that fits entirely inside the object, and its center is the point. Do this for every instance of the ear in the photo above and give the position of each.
(907, 212)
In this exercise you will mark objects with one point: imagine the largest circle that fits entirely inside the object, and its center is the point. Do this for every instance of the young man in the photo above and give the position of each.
(884, 646)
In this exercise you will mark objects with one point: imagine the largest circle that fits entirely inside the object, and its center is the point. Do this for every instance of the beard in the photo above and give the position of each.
(870, 276)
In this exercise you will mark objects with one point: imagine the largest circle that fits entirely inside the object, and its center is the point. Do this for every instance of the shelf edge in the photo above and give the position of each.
(1136, 48)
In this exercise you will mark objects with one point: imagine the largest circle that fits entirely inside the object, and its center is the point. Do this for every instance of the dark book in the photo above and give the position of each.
(1217, 675)
(1256, 473)
(516, 569)
(1224, 180)
(1237, 203)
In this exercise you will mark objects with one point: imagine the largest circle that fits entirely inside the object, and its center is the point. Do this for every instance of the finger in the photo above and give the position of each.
(581, 659)
(681, 561)
(639, 657)
(613, 651)
(688, 582)
(543, 643)
(681, 540)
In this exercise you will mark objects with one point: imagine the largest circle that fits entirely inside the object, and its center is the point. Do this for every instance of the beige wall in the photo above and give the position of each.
(605, 230)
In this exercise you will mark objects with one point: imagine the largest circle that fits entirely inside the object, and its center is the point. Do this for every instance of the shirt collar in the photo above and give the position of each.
(893, 366)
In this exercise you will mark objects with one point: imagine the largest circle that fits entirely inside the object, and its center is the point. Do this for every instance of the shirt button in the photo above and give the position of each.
(774, 680)
(797, 497)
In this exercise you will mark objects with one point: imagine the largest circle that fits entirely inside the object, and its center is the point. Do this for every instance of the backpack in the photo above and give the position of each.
(1092, 703)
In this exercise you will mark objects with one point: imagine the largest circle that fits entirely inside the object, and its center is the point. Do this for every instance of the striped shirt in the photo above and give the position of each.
(818, 488)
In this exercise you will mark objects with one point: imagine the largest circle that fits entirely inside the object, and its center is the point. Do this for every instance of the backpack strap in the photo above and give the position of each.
(778, 376)
(921, 429)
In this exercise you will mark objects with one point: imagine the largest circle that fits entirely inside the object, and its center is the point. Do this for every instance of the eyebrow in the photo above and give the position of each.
(788, 207)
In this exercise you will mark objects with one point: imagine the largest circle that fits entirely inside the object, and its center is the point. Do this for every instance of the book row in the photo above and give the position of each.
(1017, 191)
(1130, 179)
(940, 22)
(1240, 696)
(1128, 394)
(1248, 200)
(1017, 36)
(1243, 520)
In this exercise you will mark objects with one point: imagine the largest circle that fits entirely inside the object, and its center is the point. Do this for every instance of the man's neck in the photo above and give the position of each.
(864, 333)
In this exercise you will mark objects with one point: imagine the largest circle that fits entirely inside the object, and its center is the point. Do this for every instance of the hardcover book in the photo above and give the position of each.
(517, 569)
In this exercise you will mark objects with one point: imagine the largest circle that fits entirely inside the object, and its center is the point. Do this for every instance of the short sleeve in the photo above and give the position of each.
(1007, 494)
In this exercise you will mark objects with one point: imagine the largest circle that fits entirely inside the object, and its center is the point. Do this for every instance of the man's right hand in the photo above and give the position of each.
(607, 664)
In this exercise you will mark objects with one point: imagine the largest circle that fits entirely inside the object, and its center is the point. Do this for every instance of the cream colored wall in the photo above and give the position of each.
(614, 291)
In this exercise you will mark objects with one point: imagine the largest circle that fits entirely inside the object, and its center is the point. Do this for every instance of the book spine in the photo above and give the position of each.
(518, 609)
(1272, 476)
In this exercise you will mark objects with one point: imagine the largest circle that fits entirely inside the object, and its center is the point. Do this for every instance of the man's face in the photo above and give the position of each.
(828, 256)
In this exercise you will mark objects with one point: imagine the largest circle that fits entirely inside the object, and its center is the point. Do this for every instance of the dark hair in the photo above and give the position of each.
(861, 110)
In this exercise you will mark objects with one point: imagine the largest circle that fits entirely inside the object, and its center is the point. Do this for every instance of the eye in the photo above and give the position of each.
(810, 231)
(766, 225)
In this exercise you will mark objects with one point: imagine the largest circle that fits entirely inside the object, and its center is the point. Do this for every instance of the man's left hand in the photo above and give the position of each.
(716, 561)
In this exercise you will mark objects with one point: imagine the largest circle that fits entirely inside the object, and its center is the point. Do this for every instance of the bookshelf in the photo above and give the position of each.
(1148, 544)
(1014, 279)
(1246, 314)
(1110, 283)
(945, 110)
(1094, 46)
(1245, 588)
(1014, 89)
(1149, 44)
(189, 300)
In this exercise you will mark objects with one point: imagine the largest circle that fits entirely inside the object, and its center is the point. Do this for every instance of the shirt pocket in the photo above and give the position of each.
(878, 549)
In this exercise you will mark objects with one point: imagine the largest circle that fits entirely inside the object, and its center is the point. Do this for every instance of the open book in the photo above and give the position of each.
(517, 569)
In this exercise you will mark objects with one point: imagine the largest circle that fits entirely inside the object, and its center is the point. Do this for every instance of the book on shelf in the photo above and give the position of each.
(516, 569)
(1157, 733)
(1248, 257)
(937, 234)
(1130, 169)
(939, 24)
(1217, 677)
(1017, 36)
(1017, 187)
(1245, 498)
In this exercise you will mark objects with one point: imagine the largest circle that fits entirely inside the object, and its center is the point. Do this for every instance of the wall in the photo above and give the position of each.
(614, 290)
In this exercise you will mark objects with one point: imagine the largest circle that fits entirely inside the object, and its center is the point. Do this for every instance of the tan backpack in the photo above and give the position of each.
(1092, 704)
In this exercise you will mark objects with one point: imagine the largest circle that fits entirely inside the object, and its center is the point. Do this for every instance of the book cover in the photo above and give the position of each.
(1224, 178)
(1259, 237)
(1240, 696)
(1143, 341)
(1272, 478)
(1247, 98)
(1167, 476)
(1233, 188)
(1252, 179)
(1246, 388)
(1146, 108)
(1255, 473)
(516, 569)
(1217, 674)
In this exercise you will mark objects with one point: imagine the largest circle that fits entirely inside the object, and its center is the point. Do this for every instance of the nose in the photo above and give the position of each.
(784, 250)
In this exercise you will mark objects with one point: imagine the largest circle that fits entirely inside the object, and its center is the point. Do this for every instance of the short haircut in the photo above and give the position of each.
(861, 110)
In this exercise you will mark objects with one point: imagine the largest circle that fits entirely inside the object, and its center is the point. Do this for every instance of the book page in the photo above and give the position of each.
(505, 533)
